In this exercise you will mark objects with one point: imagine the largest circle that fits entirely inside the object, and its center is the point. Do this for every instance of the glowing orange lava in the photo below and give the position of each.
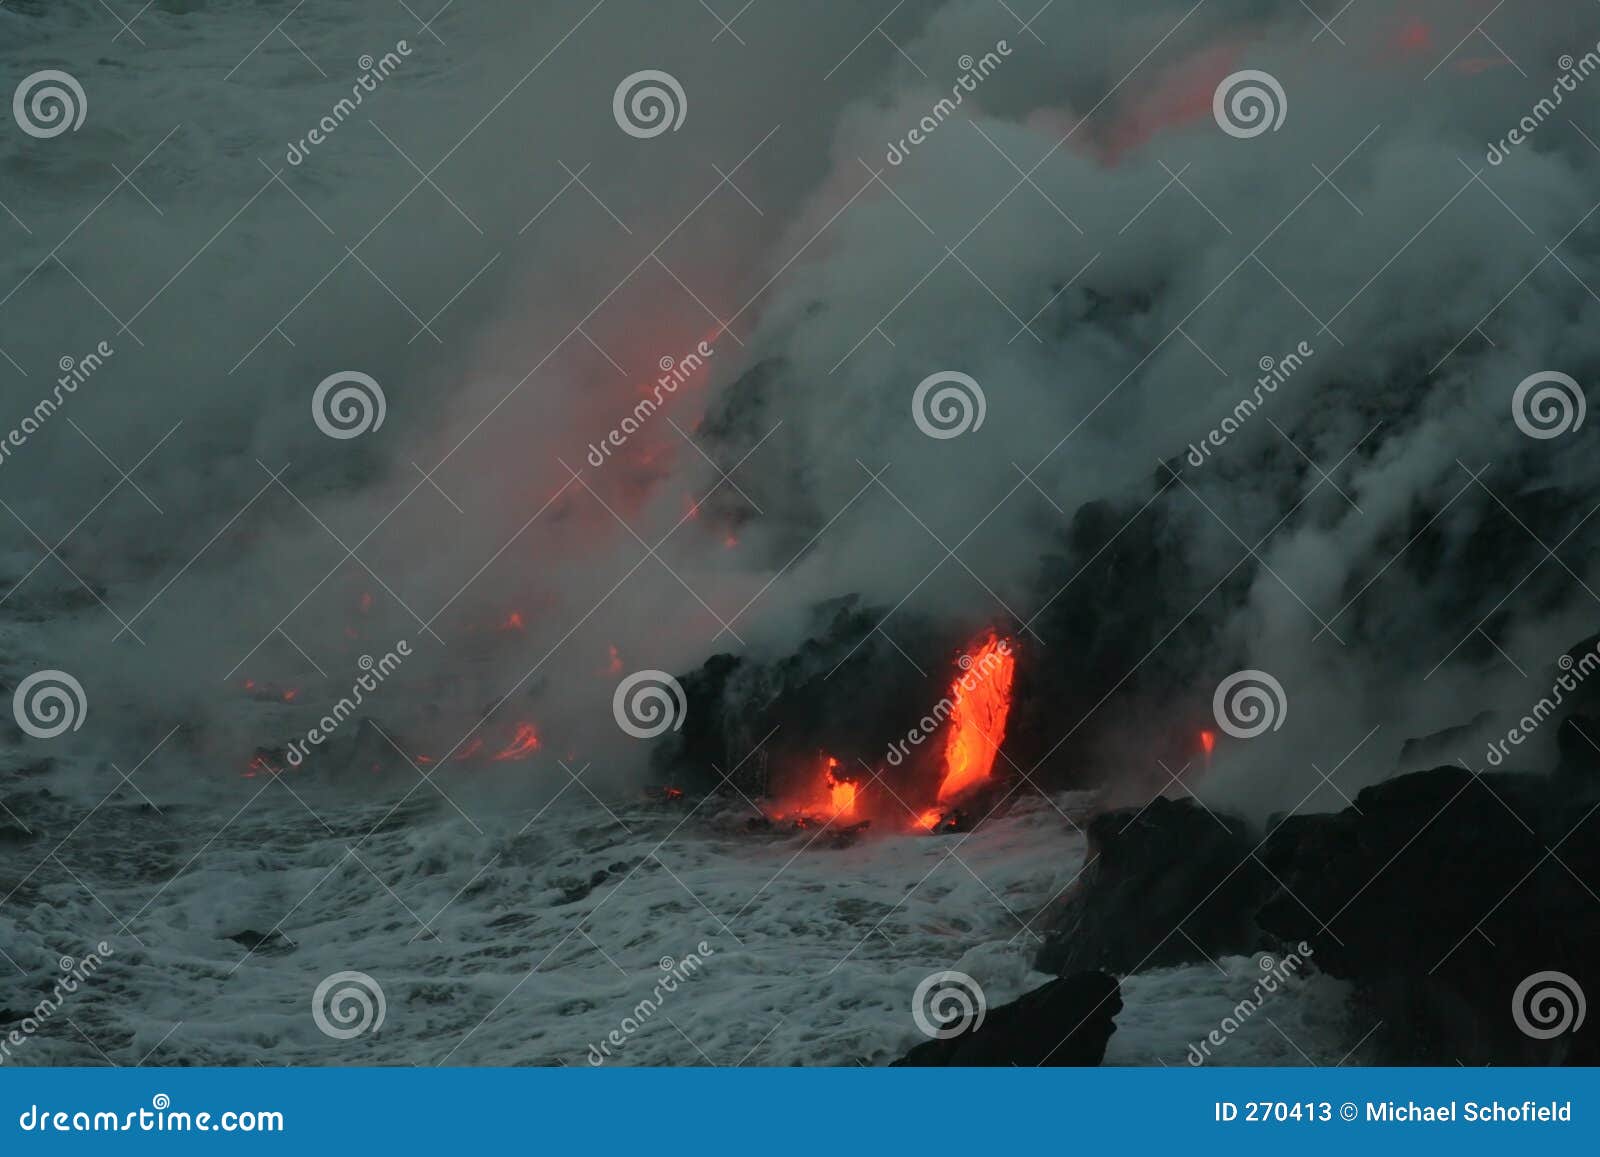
(832, 798)
(1416, 36)
(260, 766)
(841, 792)
(523, 743)
(981, 700)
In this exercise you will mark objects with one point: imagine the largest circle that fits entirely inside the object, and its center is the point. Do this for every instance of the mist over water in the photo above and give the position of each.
(1113, 282)
(481, 239)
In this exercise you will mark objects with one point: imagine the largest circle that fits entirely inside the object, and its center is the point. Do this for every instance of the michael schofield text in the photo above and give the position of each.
(1391, 1112)
(1493, 1111)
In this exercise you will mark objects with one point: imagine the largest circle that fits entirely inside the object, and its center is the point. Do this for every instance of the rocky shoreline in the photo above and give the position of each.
(1457, 905)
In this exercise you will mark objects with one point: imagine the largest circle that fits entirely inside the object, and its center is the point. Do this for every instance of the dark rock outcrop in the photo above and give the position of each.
(1464, 908)
(1578, 746)
(1439, 894)
(762, 723)
(267, 942)
(1066, 1022)
(1168, 884)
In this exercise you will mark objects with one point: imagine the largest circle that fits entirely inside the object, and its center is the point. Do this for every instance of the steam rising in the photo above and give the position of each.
(1400, 592)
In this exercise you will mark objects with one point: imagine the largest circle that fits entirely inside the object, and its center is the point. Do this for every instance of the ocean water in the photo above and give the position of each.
(531, 939)
(503, 921)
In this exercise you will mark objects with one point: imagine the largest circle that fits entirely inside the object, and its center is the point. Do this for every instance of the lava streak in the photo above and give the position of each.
(980, 701)
(841, 792)
(830, 797)
(523, 744)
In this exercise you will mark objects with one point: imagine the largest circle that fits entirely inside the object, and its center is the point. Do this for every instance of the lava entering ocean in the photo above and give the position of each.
(830, 799)
(980, 702)
(973, 719)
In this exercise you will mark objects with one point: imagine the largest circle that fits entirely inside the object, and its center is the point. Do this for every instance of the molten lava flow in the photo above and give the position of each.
(981, 700)
(260, 766)
(523, 743)
(1415, 37)
(830, 798)
(841, 792)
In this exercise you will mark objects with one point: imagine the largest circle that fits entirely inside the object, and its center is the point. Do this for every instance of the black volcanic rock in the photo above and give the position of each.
(1578, 744)
(272, 941)
(690, 756)
(1438, 894)
(847, 691)
(1065, 1022)
(1167, 884)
